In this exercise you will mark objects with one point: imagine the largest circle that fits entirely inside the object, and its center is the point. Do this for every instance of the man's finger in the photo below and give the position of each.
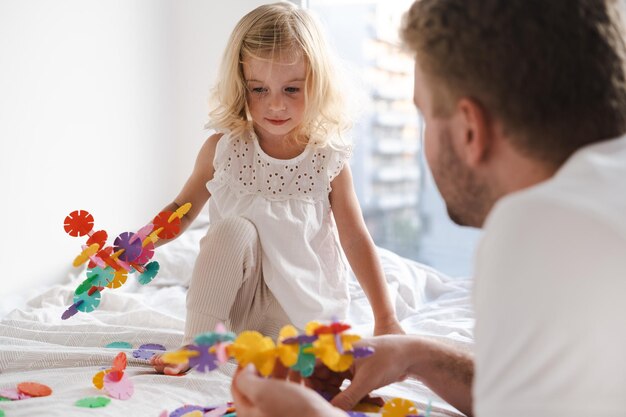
(246, 383)
(351, 396)
(377, 401)
(240, 399)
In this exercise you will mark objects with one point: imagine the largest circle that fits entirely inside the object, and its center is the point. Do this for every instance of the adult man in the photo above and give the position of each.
(525, 109)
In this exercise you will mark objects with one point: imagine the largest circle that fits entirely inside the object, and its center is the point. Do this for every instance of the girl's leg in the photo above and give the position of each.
(256, 308)
(274, 317)
(226, 273)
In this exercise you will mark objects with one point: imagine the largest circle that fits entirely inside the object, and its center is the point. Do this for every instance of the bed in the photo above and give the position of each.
(36, 345)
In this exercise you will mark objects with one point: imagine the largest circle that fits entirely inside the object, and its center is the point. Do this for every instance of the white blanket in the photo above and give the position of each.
(36, 345)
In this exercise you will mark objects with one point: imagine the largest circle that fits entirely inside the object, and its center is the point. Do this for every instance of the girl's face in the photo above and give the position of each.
(275, 95)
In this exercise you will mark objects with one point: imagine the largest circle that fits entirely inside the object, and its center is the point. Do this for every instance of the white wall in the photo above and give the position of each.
(102, 107)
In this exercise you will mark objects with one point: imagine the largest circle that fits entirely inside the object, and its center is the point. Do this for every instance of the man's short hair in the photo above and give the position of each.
(553, 71)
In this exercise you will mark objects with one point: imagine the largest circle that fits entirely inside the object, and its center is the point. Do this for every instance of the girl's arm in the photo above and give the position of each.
(194, 191)
(361, 252)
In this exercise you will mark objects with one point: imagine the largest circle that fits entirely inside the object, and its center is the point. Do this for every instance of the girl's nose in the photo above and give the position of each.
(277, 102)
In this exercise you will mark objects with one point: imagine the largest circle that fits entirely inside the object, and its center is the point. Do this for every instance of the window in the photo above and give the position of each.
(401, 206)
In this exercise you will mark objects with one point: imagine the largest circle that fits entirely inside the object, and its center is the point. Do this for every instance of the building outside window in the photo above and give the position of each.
(402, 208)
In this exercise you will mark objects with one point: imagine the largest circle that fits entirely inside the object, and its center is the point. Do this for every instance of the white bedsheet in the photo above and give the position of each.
(36, 345)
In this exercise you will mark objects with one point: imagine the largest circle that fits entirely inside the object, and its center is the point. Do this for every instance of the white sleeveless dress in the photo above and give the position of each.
(287, 200)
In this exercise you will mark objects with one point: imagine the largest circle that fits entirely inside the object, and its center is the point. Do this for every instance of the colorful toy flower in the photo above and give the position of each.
(306, 360)
(334, 354)
(220, 335)
(288, 352)
(88, 300)
(98, 379)
(78, 223)
(86, 254)
(179, 357)
(119, 279)
(399, 407)
(147, 351)
(118, 385)
(114, 381)
(207, 353)
(253, 347)
(101, 277)
(205, 360)
(93, 402)
(151, 270)
(132, 247)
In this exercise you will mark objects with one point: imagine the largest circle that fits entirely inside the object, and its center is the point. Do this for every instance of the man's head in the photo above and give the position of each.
(547, 76)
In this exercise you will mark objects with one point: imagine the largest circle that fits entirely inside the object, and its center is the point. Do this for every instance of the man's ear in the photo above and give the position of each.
(478, 131)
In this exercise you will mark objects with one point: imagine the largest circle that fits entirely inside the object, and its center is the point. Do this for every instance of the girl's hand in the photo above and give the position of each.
(387, 326)
(255, 396)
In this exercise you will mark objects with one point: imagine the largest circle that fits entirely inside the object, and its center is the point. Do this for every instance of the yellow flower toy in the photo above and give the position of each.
(253, 347)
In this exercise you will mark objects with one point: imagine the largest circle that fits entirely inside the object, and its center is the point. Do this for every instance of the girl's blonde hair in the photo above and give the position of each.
(272, 32)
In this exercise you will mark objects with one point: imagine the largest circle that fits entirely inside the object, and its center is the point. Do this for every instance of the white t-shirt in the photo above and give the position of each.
(550, 294)
(287, 200)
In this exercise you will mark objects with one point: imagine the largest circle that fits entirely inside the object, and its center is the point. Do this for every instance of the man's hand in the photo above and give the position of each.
(329, 383)
(255, 396)
(389, 363)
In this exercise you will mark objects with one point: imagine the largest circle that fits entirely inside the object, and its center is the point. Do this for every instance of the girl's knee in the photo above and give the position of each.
(232, 232)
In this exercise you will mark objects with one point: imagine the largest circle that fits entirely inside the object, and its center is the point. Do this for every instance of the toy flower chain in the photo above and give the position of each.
(296, 351)
(109, 266)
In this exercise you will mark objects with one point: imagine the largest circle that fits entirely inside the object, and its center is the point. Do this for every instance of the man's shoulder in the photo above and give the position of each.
(568, 214)
(587, 189)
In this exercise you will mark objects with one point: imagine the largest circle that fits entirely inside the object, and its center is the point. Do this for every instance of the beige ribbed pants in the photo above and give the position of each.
(227, 284)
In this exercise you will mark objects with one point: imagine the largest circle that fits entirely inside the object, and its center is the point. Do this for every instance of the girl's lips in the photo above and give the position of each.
(277, 122)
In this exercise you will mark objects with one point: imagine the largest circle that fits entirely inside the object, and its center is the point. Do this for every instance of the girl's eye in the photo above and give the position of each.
(259, 90)
(292, 90)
